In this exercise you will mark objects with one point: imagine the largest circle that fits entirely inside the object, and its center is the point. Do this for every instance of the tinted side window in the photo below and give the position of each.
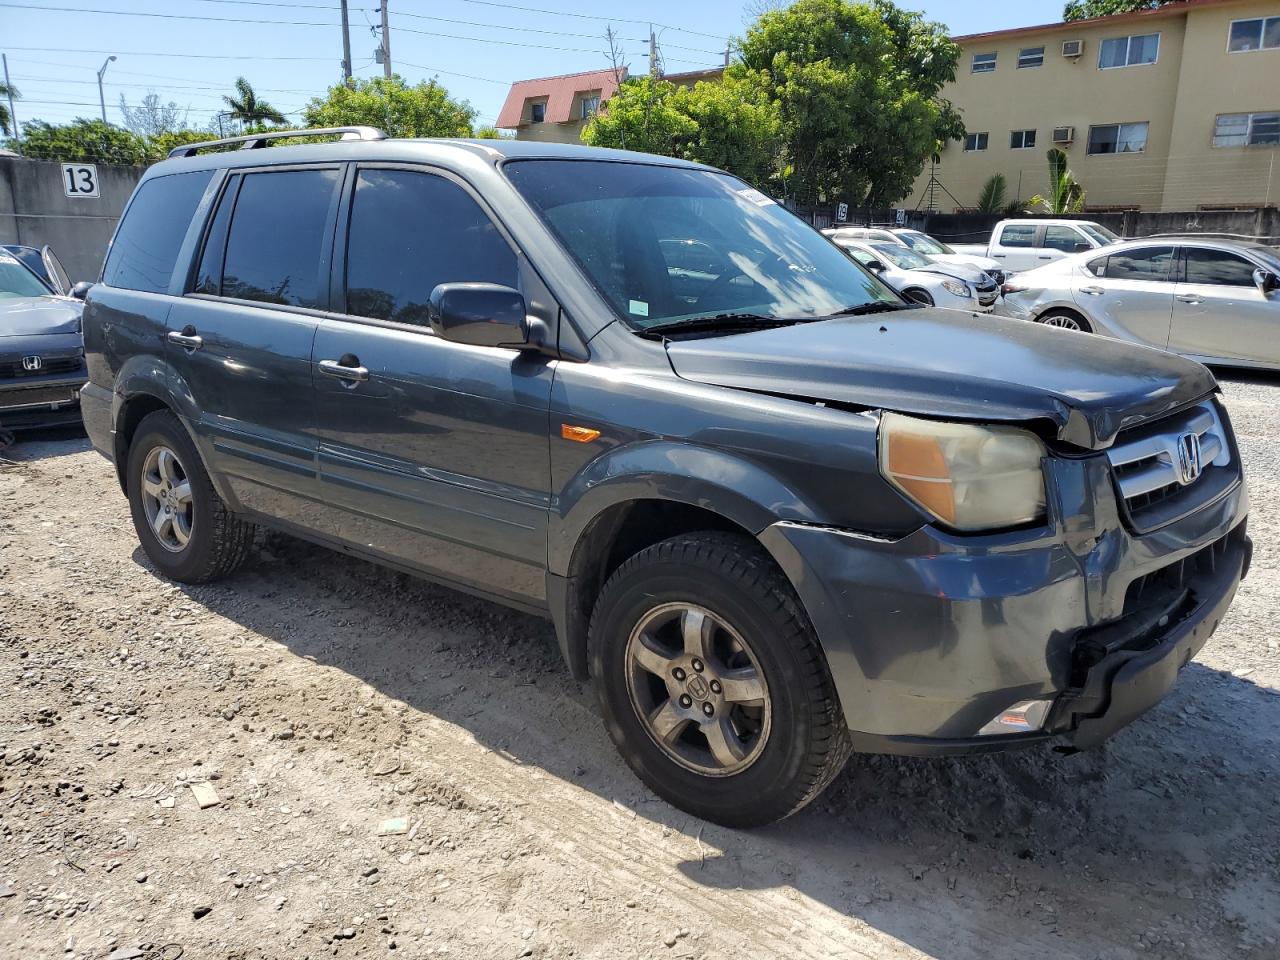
(410, 232)
(147, 242)
(1062, 238)
(1147, 263)
(276, 238)
(1098, 267)
(209, 274)
(1218, 267)
(1016, 235)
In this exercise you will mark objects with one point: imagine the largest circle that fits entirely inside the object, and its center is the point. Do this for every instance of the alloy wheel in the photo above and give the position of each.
(166, 499)
(1063, 321)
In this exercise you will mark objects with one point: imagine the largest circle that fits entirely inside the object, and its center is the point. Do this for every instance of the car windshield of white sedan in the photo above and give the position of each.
(901, 256)
(1099, 233)
(923, 243)
(16, 281)
(664, 244)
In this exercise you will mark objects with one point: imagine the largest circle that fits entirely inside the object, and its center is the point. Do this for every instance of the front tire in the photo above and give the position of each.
(184, 527)
(712, 683)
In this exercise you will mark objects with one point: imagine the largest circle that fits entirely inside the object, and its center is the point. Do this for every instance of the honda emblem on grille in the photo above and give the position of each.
(32, 364)
(1189, 465)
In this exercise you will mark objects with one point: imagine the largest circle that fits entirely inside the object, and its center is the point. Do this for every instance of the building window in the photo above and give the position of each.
(1022, 140)
(537, 112)
(1031, 57)
(1256, 34)
(983, 63)
(1118, 138)
(1247, 130)
(975, 141)
(590, 106)
(1129, 51)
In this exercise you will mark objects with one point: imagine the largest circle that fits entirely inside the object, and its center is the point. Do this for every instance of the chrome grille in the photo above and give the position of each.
(1157, 473)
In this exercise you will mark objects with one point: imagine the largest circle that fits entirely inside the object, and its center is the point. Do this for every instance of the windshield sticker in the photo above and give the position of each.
(755, 196)
(639, 307)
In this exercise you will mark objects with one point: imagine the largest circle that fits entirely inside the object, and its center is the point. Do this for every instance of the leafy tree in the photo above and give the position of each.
(91, 141)
(151, 118)
(642, 116)
(857, 85)
(1066, 195)
(490, 132)
(423, 110)
(162, 143)
(992, 198)
(1088, 9)
(7, 90)
(247, 108)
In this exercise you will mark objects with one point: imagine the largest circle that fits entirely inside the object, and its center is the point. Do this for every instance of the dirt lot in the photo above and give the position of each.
(402, 770)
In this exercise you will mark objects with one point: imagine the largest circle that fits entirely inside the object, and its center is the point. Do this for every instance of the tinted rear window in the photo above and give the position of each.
(147, 242)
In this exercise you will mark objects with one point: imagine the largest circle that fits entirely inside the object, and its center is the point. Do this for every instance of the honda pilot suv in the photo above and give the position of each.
(775, 512)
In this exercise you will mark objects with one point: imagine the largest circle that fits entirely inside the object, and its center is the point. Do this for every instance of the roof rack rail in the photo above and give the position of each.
(255, 140)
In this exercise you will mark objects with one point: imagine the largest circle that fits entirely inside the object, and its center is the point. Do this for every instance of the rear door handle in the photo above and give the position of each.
(188, 339)
(344, 370)
(1095, 291)
(1188, 298)
(1046, 256)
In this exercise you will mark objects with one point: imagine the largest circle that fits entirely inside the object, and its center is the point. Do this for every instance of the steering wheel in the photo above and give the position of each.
(721, 283)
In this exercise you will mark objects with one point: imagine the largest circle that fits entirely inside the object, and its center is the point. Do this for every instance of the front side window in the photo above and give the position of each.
(1218, 267)
(619, 221)
(1246, 129)
(1128, 51)
(983, 63)
(1118, 138)
(1022, 139)
(975, 141)
(276, 238)
(411, 231)
(901, 256)
(1257, 34)
(590, 106)
(1145, 263)
(1018, 235)
(1065, 239)
(147, 242)
(1030, 57)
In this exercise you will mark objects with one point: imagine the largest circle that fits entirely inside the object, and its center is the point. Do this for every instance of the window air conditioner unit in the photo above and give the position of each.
(1072, 48)
(1064, 134)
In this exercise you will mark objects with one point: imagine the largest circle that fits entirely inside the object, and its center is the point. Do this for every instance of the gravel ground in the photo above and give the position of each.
(402, 770)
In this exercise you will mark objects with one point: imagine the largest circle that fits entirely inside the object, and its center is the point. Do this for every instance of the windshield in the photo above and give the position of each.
(664, 244)
(923, 243)
(900, 256)
(17, 281)
(1099, 233)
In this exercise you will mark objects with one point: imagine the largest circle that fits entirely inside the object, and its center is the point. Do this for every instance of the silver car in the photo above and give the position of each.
(1217, 301)
(916, 278)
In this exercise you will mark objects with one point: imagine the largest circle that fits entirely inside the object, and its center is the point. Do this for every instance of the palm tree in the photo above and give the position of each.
(1065, 193)
(992, 197)
(7, 90)
(248, 109)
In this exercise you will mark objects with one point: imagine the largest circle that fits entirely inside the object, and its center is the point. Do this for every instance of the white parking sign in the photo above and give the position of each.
(80, 180)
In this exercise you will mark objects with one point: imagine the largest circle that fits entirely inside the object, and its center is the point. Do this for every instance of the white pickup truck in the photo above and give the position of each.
(1026, 244)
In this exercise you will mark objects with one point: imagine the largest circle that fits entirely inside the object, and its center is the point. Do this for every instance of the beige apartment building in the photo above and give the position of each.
(1176, 108)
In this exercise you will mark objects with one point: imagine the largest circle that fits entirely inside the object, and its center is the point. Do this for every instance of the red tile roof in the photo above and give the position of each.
(559, 92)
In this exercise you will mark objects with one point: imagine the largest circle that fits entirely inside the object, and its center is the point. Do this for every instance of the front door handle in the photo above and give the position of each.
(1093, 291)
(1046, 256)
(188, 339)
(1188, 298)
(348, 368)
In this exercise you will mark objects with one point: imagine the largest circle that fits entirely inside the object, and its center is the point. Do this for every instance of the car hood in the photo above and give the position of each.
(34, 316)
(957, 271)
(968, 260)
(947, 363)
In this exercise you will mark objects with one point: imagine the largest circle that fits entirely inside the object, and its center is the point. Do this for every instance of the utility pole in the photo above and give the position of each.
(13, 117)
(102, 100)
(346, 46)
(386, 43)
(653, 52)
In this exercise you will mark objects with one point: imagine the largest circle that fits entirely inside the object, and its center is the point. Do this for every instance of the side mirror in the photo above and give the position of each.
(1266, 281)
(481, 314)
(1082, 246)
(875, 266)
(81, 289)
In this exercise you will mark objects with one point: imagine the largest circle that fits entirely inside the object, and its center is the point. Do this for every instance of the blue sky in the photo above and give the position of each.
(54, 49)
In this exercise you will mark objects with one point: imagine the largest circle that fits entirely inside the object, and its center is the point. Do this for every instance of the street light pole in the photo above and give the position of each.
(102, 100)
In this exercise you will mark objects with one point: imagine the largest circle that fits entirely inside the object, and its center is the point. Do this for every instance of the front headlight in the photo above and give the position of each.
(970, 477)
(955, 287)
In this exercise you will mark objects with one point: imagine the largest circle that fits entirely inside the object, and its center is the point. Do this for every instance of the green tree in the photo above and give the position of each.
(160, 145)
(91, 141)
(1088, 9)
(642, 115)
(858, 88)
(992, 199)
(248, 109)
(490, 132)
(423, 110)
(1066, 195)
(7, 90)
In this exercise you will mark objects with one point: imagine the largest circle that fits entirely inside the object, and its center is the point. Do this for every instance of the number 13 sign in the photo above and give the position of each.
(80, 180)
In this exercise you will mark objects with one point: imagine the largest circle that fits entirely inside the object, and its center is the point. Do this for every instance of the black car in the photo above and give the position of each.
(775, 512)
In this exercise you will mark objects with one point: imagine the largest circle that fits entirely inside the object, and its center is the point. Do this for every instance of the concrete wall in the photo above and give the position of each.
(35, 211)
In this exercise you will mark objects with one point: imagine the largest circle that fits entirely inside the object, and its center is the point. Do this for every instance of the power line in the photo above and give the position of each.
(164, 16)
(591, 16)
(450, 73)
(183, 56)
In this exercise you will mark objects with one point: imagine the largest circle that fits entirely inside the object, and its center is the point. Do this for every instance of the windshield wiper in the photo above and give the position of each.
(717, 321)
(875, 306)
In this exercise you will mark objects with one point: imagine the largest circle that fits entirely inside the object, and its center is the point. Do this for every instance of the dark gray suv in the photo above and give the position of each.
(775, 512)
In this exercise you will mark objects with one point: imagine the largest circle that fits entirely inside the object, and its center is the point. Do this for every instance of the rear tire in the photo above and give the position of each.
(916, 295)
(184, 527)
(1065, 320)
(712, 683)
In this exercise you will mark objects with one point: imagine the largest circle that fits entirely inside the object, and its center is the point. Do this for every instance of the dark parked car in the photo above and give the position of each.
(775, 512)
(41, 357)
(43, 263)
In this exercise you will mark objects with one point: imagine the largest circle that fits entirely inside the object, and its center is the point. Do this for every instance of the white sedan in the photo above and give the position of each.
(923, 244)
(934, 284)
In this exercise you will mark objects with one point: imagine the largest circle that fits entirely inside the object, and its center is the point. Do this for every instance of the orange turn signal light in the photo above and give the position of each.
(578, 434)
(918, 465)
